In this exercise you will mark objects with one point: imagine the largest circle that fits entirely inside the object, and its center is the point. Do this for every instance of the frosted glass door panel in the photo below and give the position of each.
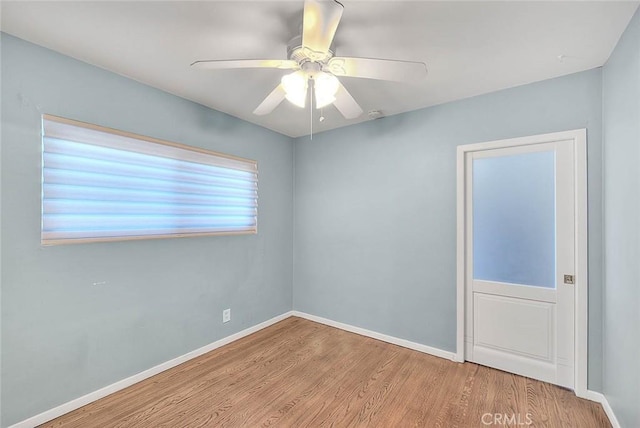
(514, 234)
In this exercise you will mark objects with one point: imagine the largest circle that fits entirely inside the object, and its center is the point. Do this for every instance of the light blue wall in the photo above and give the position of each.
(62, 337)
(375, 211)
(621, 89)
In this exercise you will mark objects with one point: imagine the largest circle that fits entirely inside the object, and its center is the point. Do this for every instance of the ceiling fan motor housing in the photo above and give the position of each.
(302, 55)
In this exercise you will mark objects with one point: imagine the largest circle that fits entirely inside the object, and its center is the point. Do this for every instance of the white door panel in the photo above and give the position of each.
(531, 330)
(519, 211)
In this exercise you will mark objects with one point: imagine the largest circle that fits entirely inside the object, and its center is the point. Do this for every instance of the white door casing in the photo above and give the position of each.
(536, 331)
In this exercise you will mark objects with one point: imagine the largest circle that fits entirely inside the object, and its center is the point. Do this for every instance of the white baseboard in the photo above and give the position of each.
(602, 399)
(379, 336)
(124, 383)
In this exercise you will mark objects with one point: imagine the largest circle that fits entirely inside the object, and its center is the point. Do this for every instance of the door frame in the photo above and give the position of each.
(579, 137)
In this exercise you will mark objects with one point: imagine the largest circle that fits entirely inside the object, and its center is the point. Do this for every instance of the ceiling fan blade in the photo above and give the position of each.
(380, 69)
(319, 24)
(215, 64)
(345, 103)
(272, 101)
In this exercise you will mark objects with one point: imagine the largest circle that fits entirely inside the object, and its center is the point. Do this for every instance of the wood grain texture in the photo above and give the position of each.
(298, 373)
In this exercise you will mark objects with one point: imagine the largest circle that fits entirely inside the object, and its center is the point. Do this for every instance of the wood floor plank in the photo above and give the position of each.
(298, 373)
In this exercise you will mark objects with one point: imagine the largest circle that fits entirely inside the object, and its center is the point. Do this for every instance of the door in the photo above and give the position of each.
(519, 254)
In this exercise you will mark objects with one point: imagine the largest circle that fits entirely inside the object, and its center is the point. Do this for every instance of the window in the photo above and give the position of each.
(99, 184)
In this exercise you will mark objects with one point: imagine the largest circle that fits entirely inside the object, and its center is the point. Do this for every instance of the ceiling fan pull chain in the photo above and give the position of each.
(311, 108)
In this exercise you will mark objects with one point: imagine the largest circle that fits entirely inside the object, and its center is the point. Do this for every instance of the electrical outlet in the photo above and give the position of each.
(226, 315)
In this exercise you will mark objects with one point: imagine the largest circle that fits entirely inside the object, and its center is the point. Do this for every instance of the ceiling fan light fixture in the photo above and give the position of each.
(295, 88)
(326, 86)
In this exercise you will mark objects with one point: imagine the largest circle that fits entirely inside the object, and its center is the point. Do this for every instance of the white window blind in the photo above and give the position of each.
(99, 184)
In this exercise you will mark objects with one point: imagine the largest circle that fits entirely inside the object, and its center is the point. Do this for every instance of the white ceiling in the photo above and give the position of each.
(470, 48)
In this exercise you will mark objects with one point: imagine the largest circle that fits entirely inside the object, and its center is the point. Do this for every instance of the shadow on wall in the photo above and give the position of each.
(217, 122)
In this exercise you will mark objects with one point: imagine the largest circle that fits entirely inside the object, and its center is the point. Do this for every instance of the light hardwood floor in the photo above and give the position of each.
(298, 373)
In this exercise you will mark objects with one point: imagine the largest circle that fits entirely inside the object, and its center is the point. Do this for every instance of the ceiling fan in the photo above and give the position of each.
(315, 66)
